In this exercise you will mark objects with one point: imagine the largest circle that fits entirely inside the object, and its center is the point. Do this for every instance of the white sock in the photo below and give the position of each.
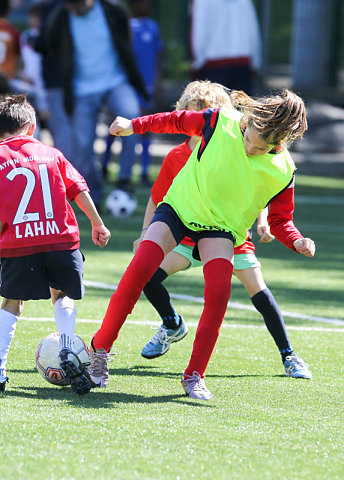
(65, 314)
(8, 323)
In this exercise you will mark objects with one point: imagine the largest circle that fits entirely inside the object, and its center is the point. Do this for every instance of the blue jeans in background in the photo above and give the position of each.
(120, 101)
(59, 123)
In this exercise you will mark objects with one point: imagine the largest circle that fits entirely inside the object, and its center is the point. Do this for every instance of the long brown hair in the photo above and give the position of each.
(279, 118)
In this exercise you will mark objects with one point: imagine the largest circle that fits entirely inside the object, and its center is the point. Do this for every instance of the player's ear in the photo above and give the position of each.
(31, 129)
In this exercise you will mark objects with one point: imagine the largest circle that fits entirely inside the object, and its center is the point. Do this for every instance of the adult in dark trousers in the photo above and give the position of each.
(58, 122)
(91, 42)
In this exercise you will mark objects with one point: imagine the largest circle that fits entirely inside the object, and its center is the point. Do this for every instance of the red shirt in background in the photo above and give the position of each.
(9, 48)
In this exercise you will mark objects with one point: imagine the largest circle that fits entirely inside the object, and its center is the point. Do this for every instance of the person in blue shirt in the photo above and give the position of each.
(147, 46)
(91, 42)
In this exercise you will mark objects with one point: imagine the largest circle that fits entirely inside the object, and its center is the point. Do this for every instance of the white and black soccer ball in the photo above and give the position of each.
(47, 361)
(121, 204)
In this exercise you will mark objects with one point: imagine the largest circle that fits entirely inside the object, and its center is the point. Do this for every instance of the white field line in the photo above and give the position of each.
(308, 199)
(237, 305)
(190, 324)
(321, 228)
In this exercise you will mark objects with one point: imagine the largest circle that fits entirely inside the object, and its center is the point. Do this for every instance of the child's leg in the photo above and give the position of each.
(158, 295)
(65, 314)
(264, 302)
(9, 313)
(157, 243)
(216, 255)
(173, 328)
(145, 156)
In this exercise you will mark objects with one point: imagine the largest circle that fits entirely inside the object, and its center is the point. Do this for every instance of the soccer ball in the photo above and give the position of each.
(47, 361)
(120, 203)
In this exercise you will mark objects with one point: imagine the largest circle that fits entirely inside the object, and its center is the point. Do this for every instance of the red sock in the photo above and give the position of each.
(217, 290)
(140, 270)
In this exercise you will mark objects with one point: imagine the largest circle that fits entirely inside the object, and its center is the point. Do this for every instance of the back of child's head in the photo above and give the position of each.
(15, 113)
(278, 118)
(202, 94)
(5, 7)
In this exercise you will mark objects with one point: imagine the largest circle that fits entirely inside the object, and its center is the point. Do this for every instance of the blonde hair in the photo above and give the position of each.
(202, 94)
(279, 118)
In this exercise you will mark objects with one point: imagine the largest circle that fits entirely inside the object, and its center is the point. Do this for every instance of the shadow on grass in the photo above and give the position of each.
(97, 399)
(149, 371)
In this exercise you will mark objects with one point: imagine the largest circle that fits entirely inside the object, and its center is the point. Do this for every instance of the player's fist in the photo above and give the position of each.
(306, 246)
(121, 127)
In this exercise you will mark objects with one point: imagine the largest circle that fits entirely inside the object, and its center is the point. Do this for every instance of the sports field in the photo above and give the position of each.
(260, 424)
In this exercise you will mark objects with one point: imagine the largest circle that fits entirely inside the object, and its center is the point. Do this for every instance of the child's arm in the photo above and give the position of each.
(181, 121)
(263, 228)
(100, 234)
(281, 223)
(150, 210)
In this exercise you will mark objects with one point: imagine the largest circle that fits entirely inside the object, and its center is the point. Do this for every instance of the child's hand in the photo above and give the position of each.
(264, 233)
(100, 235)
(306, 246)
(121, 127)
(136, 243)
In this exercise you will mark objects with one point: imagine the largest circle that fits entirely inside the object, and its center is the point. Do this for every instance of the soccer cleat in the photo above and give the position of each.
(194, 387)
(76, 371)
(295, 367)
(98, 369)
(3, 384)
(162, 340)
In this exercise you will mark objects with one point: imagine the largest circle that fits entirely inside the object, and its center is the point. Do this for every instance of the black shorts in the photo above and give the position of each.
(29, 277)
(165, 213)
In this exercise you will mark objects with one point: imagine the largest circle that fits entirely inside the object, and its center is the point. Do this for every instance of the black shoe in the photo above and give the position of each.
(75, 370)
(125, 185)
(145, 182)
(3, 385)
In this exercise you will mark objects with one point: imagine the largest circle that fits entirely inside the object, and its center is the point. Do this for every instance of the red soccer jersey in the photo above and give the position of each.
(35, 182)
(172, 164)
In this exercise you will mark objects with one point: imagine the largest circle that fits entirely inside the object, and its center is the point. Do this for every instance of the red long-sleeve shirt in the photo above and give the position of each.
(36, 180)
(281, 207)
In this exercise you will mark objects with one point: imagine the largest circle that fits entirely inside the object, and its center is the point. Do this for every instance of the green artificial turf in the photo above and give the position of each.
(260, 424)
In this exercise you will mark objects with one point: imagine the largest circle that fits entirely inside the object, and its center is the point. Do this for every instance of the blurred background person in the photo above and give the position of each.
(147, 46)
(9, 43)
(32, 62)
(57, 120)
(91, 42)
(225, 42)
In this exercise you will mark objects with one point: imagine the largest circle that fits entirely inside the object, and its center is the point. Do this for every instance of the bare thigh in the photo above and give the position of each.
(174, 262)
(252, 279)
(160, 233)
(211, 248)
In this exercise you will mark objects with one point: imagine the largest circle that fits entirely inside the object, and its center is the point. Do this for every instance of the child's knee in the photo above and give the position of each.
(13, 306)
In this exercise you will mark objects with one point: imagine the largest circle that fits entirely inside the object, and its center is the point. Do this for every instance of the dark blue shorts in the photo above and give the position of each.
(29, 277)
(165, 213)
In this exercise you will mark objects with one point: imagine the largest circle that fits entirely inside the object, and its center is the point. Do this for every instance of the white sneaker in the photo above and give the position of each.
(295, 367)
(98, 369)
(194, 387)
(163, 339)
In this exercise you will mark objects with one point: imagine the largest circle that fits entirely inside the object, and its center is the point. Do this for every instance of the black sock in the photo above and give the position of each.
(265, 303)
(159, 297)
